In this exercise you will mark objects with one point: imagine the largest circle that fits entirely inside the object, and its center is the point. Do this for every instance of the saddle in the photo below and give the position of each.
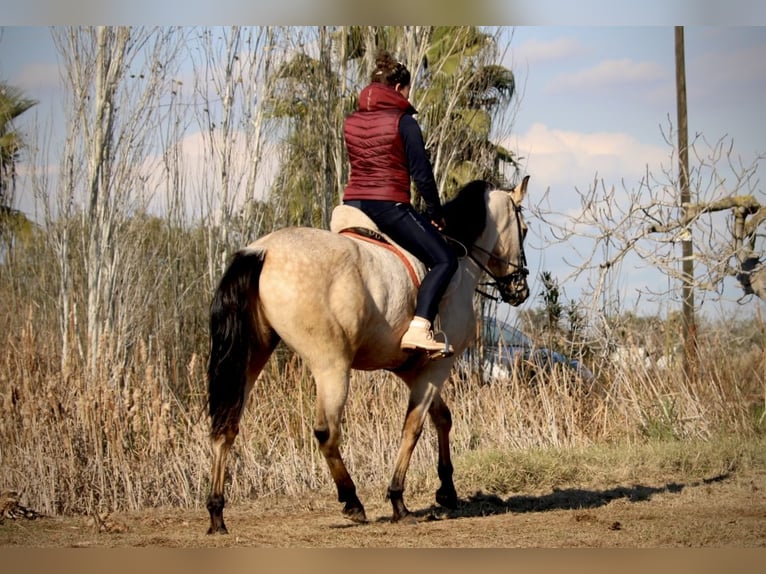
(348, 220)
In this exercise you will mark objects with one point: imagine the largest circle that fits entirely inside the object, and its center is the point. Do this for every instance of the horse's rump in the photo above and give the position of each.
(319, 288)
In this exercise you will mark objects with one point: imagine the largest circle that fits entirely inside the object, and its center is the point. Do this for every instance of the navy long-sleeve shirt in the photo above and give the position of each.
(420, 166)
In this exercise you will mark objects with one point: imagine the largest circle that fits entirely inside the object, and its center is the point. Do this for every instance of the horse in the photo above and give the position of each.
(342, 303)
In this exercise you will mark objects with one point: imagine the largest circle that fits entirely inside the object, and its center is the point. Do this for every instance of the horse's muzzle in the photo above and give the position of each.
(513, 288)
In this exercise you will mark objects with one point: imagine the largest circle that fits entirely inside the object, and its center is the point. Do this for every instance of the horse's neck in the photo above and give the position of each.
(457, 302)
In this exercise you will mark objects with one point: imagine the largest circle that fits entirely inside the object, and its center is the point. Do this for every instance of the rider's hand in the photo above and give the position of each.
(439, 223)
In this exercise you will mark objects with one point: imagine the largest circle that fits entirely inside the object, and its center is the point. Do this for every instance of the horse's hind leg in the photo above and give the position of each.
(442, 420)
(225, 429)
(332, 390)
(221, 443)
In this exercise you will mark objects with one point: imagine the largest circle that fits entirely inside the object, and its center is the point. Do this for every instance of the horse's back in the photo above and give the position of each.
(349, 219)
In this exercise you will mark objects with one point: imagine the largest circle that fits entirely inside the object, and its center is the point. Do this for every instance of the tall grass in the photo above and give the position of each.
(134, 433)
(139, 438)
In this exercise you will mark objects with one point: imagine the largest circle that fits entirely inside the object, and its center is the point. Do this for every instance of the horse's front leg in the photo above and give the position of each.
(441, 417)
(421, 397)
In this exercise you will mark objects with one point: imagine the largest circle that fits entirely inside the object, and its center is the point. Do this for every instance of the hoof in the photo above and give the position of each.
(220, 529)
(355, 514)
(215, 504)
(447, 497)
(401, 514)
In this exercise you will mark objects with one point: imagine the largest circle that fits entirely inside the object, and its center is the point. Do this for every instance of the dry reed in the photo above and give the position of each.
(129, 439)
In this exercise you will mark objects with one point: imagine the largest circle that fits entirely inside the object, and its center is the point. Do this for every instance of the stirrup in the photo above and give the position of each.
(445, 351)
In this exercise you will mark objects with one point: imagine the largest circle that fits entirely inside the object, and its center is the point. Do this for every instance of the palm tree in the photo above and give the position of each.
(464, 90)
(314, 91)
(308, 101)
(12, 105)
(458, 90)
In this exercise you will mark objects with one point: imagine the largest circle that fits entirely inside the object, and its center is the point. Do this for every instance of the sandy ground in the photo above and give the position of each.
(705, 512)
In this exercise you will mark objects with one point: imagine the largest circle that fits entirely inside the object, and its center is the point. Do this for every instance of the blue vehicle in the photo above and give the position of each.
(507, 348)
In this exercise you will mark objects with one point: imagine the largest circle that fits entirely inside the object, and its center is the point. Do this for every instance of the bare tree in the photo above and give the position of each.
(648, 222)
(232, 70)
(464, 97)
(733, 250)
(309, 100)
(114, 79)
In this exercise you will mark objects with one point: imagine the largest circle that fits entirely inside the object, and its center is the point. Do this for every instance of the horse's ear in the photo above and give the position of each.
(520, 191)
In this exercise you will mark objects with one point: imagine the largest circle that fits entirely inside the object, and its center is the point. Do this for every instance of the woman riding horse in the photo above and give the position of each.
(385, 149)
(342, 304)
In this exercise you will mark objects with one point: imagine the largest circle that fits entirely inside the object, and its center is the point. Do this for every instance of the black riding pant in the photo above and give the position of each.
(417, 235)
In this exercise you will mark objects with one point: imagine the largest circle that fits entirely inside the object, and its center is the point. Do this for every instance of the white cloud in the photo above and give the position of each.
(536, 51)
(569, 158)
(610, 74)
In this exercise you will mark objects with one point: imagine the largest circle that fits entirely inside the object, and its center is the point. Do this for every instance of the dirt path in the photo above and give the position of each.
(727, 511)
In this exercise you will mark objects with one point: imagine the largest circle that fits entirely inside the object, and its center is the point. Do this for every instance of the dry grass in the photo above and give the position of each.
(133, 433)
(136, 436)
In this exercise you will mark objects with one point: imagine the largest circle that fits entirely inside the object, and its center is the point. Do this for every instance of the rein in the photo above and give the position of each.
(520, 269)
(520, 272)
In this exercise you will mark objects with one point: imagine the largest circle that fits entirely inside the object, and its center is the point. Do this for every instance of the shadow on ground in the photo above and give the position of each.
(484, 504)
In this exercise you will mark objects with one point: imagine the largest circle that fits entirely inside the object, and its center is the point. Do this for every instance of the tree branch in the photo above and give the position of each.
(692, 211)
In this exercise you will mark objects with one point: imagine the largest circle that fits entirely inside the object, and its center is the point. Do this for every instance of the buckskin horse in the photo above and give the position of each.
(343, 303)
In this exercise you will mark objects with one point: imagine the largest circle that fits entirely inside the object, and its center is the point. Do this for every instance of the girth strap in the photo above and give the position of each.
(376, 238)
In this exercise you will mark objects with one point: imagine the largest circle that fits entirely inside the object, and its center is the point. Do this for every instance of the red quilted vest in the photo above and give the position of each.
(379, 167)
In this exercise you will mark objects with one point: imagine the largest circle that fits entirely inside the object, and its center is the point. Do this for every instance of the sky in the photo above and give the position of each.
(598, 103)
(595, 102)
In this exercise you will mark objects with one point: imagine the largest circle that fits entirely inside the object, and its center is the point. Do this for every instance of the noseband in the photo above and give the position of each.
(513, 286)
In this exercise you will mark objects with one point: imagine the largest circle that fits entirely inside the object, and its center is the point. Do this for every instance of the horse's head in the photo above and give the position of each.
(507, 264)
(489, 225)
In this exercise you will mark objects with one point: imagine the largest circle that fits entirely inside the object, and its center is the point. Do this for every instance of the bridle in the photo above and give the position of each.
(512, 286)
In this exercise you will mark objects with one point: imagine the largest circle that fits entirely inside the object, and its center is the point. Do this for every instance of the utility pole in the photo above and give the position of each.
(687, 251)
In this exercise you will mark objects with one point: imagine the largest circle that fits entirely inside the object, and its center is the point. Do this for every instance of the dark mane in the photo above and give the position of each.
(466, 213)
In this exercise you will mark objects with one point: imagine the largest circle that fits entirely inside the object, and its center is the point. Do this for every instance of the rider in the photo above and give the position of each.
(385, 147)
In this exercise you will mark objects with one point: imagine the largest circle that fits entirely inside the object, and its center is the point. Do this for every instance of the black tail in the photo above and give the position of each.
(234, 333)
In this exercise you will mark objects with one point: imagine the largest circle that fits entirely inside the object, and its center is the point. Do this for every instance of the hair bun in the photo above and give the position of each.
(390, 71)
